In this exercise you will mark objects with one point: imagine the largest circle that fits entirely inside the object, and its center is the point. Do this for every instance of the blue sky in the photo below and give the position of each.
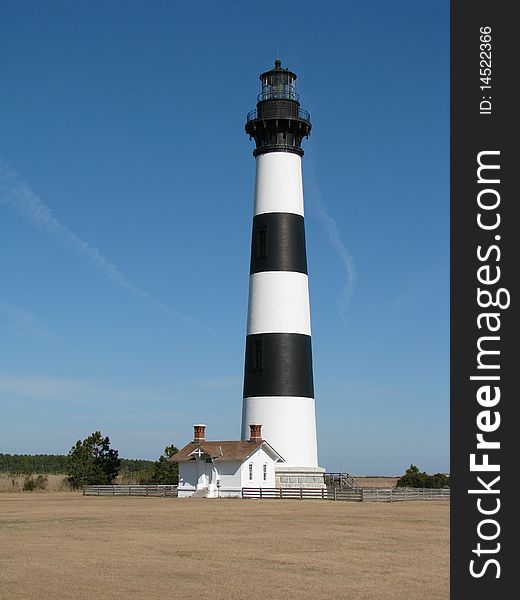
(126, 190)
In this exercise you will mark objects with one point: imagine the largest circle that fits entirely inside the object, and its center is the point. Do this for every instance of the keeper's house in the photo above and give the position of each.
(220, 469)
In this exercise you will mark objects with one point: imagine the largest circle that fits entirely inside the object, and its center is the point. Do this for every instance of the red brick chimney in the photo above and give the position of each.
(256, 433)
(199, 433)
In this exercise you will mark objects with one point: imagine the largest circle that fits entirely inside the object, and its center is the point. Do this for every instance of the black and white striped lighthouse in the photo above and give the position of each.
(278, 380)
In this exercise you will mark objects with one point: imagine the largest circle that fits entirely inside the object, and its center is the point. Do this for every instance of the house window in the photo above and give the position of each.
(260, 243)
(258, 359)
(265, 472)
(250, 471)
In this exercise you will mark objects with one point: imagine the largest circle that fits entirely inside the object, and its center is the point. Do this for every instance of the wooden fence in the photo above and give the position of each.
(130, 490)
(401, 494)
(349, 495)
(330, 493)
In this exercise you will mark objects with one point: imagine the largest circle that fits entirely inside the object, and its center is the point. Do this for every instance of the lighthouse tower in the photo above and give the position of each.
(278, 381)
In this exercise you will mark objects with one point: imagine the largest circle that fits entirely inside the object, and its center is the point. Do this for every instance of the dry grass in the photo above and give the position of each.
(14, 483)
(66, 546)
(56, 483)
(376, 482)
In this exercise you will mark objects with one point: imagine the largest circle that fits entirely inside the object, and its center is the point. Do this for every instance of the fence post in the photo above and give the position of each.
(335, 492)
(301, 493)
(260, 493)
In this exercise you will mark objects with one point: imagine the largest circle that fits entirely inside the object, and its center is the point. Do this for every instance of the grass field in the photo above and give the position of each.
(67, 546)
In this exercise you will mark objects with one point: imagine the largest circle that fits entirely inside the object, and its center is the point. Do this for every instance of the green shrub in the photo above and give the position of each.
(413, 478)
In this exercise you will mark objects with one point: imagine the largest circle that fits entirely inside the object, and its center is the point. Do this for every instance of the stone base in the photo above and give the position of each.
(299, 477)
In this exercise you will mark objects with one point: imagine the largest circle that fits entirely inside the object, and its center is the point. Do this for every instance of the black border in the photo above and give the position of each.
(472, 133)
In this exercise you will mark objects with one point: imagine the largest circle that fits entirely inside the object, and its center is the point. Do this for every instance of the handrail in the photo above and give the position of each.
(342, 479)
(303, 115)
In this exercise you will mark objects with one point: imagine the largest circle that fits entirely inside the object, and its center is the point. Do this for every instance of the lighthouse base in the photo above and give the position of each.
(299, 477)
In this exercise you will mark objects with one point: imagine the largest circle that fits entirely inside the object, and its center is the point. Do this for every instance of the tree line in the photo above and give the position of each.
(92, 461)
(57, 464)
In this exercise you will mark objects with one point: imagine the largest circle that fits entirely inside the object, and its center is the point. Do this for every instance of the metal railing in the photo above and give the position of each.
(303, 115)
(342, 480)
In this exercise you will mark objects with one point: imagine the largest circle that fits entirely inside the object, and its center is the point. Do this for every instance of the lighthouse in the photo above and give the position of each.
(278, 378)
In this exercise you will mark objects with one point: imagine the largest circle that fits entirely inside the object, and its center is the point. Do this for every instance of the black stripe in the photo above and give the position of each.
(278, 243)
(278, 364)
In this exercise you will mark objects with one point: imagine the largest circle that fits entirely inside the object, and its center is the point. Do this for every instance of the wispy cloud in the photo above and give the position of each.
(77, 391)
(331, 228)
(23, 323)
(18, 194)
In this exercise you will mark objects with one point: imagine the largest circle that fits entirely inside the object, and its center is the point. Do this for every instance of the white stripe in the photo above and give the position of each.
(278, 303)
(288, 424)
(278, 186)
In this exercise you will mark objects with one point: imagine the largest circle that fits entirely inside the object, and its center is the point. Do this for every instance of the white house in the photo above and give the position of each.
(220, 469)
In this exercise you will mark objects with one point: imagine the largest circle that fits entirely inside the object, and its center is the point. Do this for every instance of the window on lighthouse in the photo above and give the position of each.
(260, 243)
(258, 358)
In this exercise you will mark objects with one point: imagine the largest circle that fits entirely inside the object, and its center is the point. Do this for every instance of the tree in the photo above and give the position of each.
(92, 462)
(163, 471)
(415, 479)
